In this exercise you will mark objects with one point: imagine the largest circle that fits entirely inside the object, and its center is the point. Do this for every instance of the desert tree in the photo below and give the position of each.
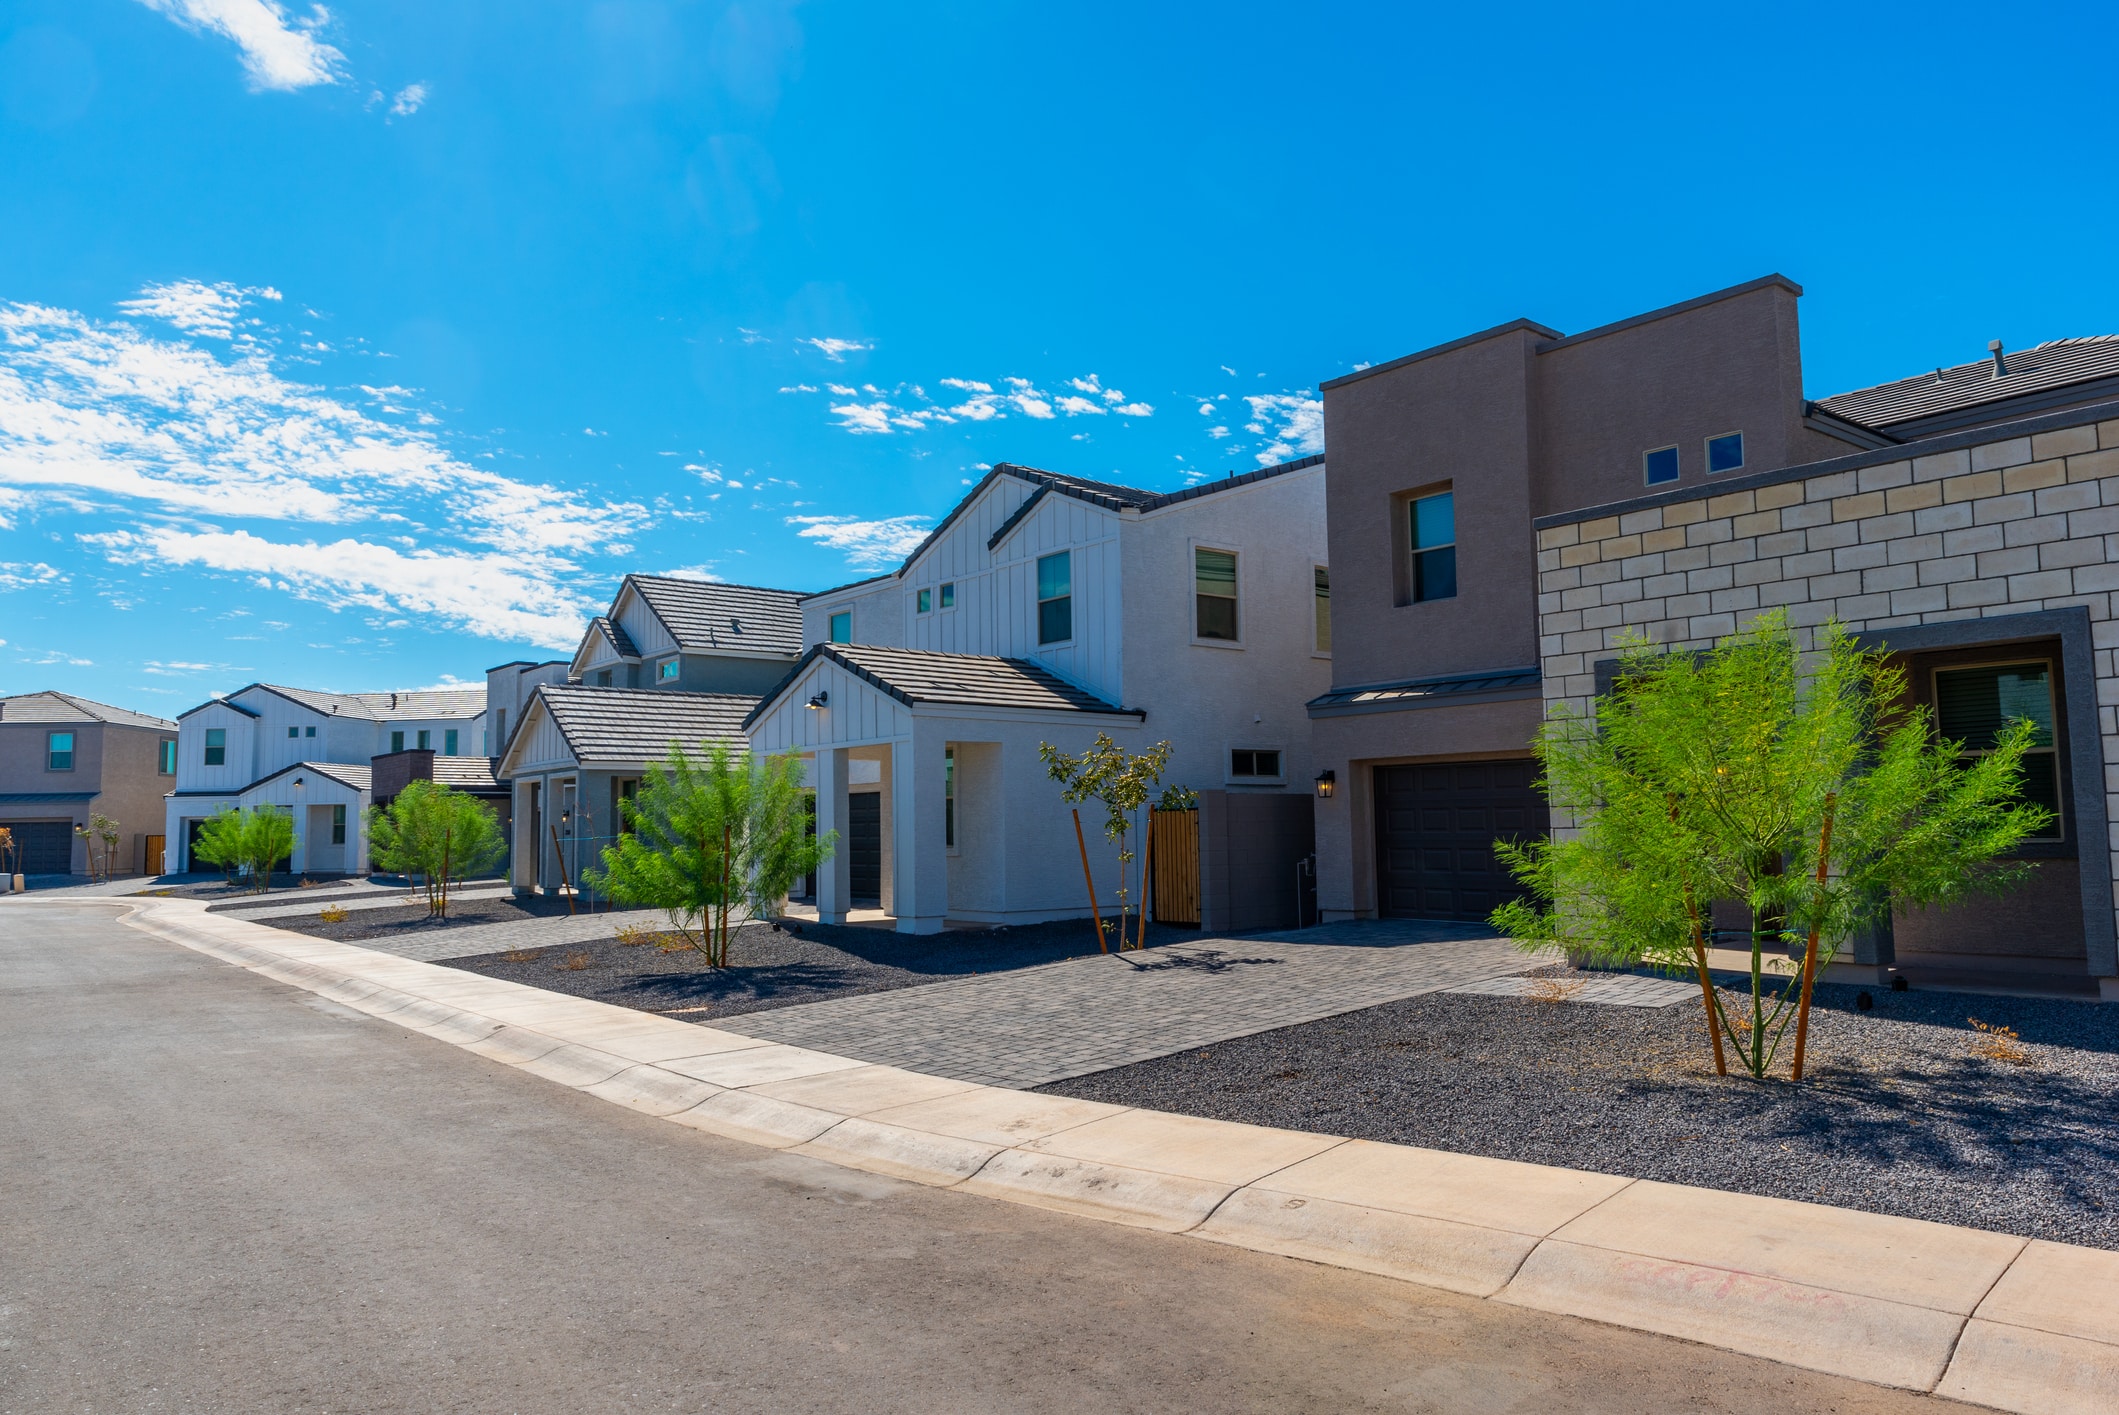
(438, 835)
(1122, 781)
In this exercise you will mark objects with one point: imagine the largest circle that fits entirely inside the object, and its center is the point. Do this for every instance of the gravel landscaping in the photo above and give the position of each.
(1901, 1114)
(807, 963)
(412, 920)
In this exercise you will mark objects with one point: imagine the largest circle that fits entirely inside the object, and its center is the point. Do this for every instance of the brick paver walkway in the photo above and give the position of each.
(1617, 989)
(1046, 1024)
(471, 940)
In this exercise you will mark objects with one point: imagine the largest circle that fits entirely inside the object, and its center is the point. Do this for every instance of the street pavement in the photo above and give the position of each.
(229, 1195)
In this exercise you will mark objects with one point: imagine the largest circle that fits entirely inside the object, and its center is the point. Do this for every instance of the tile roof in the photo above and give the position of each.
(65, 707)
(375, 707)
(466, 773)
(614, 631)
(957, 679)
(1429, 692)
(638, 724)
(358, 775)
(705, 614)
(2054, 365)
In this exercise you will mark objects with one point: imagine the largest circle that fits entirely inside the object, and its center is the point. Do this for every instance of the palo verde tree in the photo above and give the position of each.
(1122, 781)
(220, 842)
(251, 843)
(437, 835)
(710, 831)
(1806, 788)
(102, 836)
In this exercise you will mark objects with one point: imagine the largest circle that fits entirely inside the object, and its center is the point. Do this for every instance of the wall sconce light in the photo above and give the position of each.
(1325, 782)
(818, 699)
(297, 783)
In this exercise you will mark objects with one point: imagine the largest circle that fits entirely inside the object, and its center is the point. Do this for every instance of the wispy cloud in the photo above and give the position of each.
(837, 349)
(908, 408)
(279, 52)
(1293, 423)
(868, 545)
(199, 308)
(21, 575)
(408, 100)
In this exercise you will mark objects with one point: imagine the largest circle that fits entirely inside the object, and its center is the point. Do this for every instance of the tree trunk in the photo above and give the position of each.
(1802, 1010)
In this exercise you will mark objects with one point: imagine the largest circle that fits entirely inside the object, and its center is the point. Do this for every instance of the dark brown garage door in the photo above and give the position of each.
(43, 847)
(1435, 832)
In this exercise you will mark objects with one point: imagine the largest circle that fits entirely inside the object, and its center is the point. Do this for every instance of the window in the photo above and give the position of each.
(841, 631)
(397, 741)
(1660, 466)
(338, 825)
(58, 751)
(603, 678)
(1055, 598)
(1246, 763)
(216, 746)
(1214, 594)
(1973, 705)
(1434, 532)
(1725, 453)
(308, 731)
(1323, 596)
(166, 758)
(294, 732)
(923, 601)
(449, 740)
(949, 797)
(426, 740)
(949, 595)
(670, 669)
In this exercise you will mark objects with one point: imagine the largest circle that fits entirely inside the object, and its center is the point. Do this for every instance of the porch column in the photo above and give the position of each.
(834, 883)
(919, 855)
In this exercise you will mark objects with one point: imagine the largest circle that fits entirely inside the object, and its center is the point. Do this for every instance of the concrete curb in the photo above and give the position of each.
(1981, 1317)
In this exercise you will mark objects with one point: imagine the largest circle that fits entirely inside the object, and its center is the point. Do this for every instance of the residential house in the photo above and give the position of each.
(64, 758)
(309, 753)
(1504, 506)
(1049, 608)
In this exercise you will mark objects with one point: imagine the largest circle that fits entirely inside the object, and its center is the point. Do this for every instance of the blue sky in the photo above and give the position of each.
(365, 347)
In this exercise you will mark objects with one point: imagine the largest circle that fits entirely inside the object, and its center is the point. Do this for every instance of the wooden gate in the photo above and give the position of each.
(151, 863)
(1175, 841)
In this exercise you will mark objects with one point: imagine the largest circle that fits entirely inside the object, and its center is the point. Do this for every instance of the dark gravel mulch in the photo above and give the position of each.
(778, 969)
(412, 920)
(1898, 1116)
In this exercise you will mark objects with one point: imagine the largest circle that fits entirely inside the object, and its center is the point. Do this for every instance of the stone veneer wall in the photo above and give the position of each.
(2003, 527)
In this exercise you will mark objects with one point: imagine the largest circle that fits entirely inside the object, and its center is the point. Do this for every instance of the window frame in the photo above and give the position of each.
(1320, 604)
(309, 731)
(216, 741)
(451, 740)
(52, 752)
(945, 596)
(294, 731)
(166, 757)
(1233, 778)
(397, 741)
(831, 627)
(670, 669)
(338, 825)
(2061, 838)
(923, 600)
(1213, 548)
(424, 742)
(949, 834)
(1677, 462)
(1414, 550)
(1707, 453)
(1038, 570)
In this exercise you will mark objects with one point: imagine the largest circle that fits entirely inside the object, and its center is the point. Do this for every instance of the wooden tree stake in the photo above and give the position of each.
(565, 883)
(1147, 858)
(1095, 912)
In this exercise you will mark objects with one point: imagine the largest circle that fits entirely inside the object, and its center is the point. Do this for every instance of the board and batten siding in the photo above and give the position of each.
(855, 714)
(642, 627)
(546, 746)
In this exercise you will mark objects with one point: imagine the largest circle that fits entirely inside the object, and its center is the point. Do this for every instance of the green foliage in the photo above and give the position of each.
(251, 843)
(102, 835)
(220, 842)
(1727, 775)
(1177, 798)
(438, 835)
(707, 832)
(1107, 772)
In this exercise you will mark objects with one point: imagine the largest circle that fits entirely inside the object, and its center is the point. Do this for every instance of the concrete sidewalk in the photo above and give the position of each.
(1988, 1318)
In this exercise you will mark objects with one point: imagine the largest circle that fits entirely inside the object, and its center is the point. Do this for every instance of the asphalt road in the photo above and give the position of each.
(222, 1194)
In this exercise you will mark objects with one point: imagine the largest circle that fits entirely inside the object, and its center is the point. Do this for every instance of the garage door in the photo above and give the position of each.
(1435, 830)
(45, 847)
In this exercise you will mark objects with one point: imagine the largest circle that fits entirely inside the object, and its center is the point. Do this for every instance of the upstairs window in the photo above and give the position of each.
(948, 593)
(1251, 764)
(1660, 467)
(216, 746)
(166, 758)
(841, 631)
(426, 740)
(1974, 705)
(294, 732)
(1055, 598)
(58, 751)
(1214, 594)
(308, 731)
(923, 601)
(397, 741)
(1323, 606)
(669, 670)
(603, 678)
(449, 740)
(1725, 453)
(1434, 542)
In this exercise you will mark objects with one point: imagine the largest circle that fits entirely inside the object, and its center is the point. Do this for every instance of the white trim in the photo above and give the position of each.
(1228, 765)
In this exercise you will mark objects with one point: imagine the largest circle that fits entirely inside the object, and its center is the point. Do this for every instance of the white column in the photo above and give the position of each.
(833, 880)
(920, 858)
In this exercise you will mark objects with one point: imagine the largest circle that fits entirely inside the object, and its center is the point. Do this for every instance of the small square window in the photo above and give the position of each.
(841, 631)
(1660, 467)
(308, 731)
(1434, 541)
(670, 669)
(1725, 453)
(59, 751)
(923, 601)
(294, 732)
(1247, 762)
(216, 746)
(603, 678)
(949, 595)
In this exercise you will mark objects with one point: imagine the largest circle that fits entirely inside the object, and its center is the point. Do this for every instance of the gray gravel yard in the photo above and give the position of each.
(412, 921)
(1899, 1116)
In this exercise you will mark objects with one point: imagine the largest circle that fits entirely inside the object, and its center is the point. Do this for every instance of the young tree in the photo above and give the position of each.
(437, 834)
(102, 835)
(1817, 797)
(708, 832)
(1122, 781)
(220, 842)
(264, 837)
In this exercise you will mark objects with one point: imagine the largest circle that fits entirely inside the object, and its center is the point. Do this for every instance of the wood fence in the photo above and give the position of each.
(1175, 840)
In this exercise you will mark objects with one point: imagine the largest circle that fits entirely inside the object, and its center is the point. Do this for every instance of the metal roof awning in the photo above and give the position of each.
(43, 798)
(1492, 686)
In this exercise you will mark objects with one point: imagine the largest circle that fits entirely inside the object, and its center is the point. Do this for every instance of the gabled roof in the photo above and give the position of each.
(914, 676)
(614, 633)
(706, 615)
(358, 775)
(638, 724)
(65, 707)
(1913, 405)
(372, 707)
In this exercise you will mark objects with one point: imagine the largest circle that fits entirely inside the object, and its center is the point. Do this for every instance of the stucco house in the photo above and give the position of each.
(64, 758)
(1049, 608)
(1504, 506)
(309, 753)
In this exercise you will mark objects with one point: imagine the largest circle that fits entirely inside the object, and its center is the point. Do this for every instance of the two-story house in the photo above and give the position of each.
(1504, 506)
(311, 753)
(1047, 608)
(64, 758)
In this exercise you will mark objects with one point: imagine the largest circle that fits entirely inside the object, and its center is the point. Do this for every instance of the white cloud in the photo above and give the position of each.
(1293, 421)
(198, 308)
(1134, 410)
(837, 349)
(278, 52)
(1217, 432)
(1074, 406)
(171, 670)
(868, 545)
(20, 575)
(408, 100)
(967, 385)
(799, 388)
(907, 407)
(57, 657)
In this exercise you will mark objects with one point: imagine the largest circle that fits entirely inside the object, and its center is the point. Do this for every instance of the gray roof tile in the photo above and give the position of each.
(65, 707)
(958, 679)
(638, 724)
(703, 614)
(2055, 364)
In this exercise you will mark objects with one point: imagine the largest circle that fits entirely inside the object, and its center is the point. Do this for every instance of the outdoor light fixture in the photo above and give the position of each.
(818, 699)
(297, 783)
(1325, 780)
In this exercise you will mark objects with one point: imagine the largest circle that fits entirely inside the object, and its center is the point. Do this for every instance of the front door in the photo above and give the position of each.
(1436, 824)
(864, 849)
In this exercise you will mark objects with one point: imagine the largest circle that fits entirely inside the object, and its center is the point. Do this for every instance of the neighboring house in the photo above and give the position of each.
(693, 636)
(508, 690)
(309, 753)
(1504, 506)
(1047, 608)
(63, 758)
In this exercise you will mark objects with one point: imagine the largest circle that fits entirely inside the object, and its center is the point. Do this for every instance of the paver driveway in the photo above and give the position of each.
(1044, 1024)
